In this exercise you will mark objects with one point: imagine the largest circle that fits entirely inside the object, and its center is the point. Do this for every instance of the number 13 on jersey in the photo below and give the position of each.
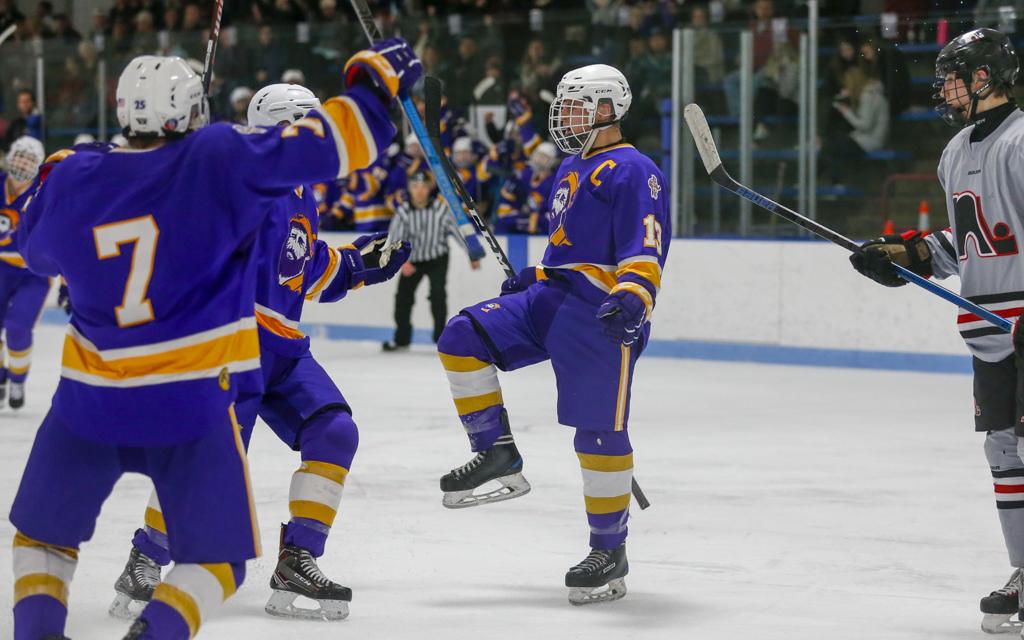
(135, 307)
(652, 237)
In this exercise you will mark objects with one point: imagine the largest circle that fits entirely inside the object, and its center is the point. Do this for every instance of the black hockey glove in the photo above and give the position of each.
(877, 257)
(1018, 345)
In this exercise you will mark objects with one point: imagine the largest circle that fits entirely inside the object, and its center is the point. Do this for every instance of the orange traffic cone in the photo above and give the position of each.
(887, 230)
(923, 223)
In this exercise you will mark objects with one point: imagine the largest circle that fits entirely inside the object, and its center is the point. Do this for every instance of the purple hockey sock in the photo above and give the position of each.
(154, 545)
(39, 616)
(164, 623)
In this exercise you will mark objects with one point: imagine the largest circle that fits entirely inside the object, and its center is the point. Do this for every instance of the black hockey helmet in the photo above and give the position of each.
(975, 50)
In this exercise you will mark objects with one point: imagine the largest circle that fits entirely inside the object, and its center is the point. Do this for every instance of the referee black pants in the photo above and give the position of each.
(437, 271)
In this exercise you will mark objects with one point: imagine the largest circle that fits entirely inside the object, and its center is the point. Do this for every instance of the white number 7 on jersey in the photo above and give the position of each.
(135, 308)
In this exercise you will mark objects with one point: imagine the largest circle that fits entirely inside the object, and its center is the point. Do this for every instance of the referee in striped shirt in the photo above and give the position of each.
(426, 223)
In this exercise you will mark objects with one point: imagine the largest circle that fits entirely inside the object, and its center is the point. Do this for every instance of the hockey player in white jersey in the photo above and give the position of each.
(982, 173)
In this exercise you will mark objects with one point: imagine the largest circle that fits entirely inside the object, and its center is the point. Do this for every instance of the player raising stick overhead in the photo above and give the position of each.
(300, 402)
(981, 169)
(158, 245)
(586, 307)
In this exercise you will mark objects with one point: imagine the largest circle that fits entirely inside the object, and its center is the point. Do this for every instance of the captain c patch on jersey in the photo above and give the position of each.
(296, 251)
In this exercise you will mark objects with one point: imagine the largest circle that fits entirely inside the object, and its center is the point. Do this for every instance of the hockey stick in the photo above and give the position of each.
(447, 191)
(432, 96)
(8, 32)
(211, 48)
(713, 163)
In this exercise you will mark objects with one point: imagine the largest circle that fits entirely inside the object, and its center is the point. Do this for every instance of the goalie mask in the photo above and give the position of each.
(24, 158)
(572, 116)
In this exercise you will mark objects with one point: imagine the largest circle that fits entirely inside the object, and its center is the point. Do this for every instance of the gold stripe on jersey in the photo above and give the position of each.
(234, 346)
(333, 265)
(646, 267)
(275, 326)
(372, 214)
(380, 64)
(13, 258)
(358, 148)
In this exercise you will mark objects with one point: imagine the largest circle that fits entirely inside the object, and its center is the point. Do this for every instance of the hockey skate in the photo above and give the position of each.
(1001, 605)
(135, 586)
(17, 399)
(501, 462)
(297, 574)
(599, 578)
(3, 387)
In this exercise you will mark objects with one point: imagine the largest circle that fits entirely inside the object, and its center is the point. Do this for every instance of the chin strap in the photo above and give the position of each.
(594, 131)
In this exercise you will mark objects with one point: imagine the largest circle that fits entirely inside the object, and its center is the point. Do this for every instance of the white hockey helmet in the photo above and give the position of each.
(412, 146)
(24, 158)
(119, 140)
(544, 157)
(463, 155)
(574, 109)
(277, 103)
(160, 96)
(84, 138)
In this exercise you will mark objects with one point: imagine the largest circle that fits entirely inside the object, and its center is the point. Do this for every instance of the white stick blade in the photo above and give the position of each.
(702, 136)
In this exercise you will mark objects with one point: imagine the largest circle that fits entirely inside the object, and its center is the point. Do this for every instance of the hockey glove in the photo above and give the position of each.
(877, 257)
(390, 67)
(519, 109)
(64, 299)
(360, 272)
(519, 282)
(622, 315)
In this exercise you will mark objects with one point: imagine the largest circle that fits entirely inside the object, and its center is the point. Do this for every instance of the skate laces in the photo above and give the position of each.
(472, 464)
(1012, 587)
(592, 562)
(146, 571)
(312, 571)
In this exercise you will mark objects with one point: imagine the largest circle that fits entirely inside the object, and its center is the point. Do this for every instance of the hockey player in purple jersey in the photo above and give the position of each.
(22, 293)
(158, 245)
(300, 403)
(523, 204)
(982, 173)
(586, 307)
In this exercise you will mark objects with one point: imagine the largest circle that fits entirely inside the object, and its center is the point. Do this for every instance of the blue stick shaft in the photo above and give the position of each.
(945, 293)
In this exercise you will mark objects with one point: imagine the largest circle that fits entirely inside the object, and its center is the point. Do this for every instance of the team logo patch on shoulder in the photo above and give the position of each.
(655, 187)
(247, 130)
(487, 308)
(224, 379)
(297, 250)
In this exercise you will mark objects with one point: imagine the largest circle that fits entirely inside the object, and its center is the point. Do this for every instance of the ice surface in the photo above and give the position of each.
(788, 502)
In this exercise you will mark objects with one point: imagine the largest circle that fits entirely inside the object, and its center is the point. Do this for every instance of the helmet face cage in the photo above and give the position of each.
(541, 162)
(23, 165)
(570, 122)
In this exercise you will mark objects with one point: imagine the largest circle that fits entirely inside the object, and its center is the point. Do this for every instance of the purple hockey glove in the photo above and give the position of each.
(622, 316)
(519, 282)
(363, 261)
(390, 66)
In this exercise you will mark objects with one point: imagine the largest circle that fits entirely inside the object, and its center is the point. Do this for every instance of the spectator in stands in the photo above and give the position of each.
(844, 58)
(862, 102)
(120, 40)
(44, 14)
(145, 40)
(28, 122)
(708, 54)
(465, 74)
(764, 11)
(172, 18)
(155, 9)
(492, 89)
(100, 25)
(240, 98)
(9, 14)
(279, 11)
(121, 11)
(889, 65)
(63, 31)
(269, 58)
(293, 76)
(777, 93)
(538, 68)
(656, 76)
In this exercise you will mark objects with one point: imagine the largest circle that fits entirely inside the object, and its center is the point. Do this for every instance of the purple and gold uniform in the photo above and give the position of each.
(300, 402)
(523, 205)
(22, 293)
(159, 249)
(369, 206)
(609, 232)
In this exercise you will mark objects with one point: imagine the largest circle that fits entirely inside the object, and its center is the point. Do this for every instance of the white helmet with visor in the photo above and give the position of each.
(571, 119)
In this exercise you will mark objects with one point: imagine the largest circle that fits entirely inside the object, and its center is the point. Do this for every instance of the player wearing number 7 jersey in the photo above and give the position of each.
(586, 307)
(158, 246)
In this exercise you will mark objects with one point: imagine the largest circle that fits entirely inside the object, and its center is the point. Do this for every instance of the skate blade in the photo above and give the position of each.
(124, 608)
(1000, 623)
(614, 590)
(512, 486)
(282, 604)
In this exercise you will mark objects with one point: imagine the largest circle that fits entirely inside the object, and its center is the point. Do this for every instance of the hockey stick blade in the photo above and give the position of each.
(432, 111)
(698, 125)
(8, 32)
